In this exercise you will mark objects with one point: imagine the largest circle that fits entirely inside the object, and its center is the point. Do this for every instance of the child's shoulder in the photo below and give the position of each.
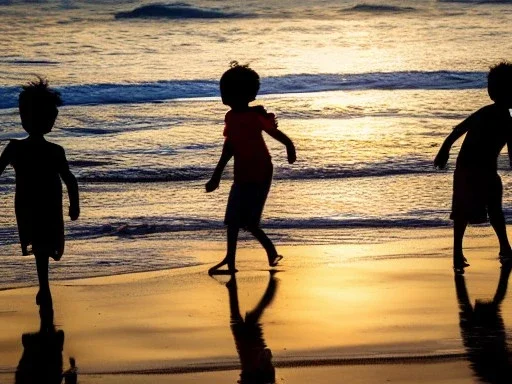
(491, 110)
(50, 148)
(258, 110)
(494, 114)
(54, 146)
(14, 144)
(481, 115)
(256, 117)
(56, 150)
(268, 120)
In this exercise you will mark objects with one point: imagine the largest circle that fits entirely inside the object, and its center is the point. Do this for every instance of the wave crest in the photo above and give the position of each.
(175, 11)
(93, 94)
(374, 8)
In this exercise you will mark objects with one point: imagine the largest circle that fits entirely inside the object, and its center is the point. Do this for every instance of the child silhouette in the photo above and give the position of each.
(477, 188)
(255, 356)
(253, 169)
(39, 165)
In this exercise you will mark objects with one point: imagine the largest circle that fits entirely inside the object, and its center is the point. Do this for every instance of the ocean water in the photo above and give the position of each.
(367, 90)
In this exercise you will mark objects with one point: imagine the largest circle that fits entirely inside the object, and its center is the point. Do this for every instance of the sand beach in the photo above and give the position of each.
(367, 91)
(335, 316)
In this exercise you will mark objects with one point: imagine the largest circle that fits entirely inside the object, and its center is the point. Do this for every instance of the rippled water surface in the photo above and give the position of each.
(366, 90)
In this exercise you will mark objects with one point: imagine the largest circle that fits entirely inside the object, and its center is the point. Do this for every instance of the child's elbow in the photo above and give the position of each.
(289, 145)
(69, 179)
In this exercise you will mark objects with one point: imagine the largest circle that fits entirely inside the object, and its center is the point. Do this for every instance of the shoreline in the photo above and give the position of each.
(452, 372)
(313, 362)
(208, 252)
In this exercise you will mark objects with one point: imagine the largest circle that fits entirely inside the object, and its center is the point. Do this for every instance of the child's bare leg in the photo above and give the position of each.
(499, 226)
(229, 260)
(261, 236)
(459, 228)
(44, 295)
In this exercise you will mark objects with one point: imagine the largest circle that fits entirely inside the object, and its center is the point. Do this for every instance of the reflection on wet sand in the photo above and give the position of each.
(41, 361)
(483, 331)
(255, 356)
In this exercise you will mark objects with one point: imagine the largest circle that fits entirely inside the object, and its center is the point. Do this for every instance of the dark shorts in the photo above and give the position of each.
(41, 226)
(477, 194)
(245, 204)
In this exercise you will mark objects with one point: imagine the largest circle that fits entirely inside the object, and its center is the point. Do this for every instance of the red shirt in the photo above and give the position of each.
(253, 163)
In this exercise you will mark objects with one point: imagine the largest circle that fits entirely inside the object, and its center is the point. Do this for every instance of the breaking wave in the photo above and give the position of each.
(176, 11)
(95, 94)
(374, 8)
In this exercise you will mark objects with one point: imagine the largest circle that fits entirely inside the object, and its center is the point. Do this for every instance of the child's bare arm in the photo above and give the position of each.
(509, 150)
(74, 200)
(72, 187)
(444, 152)
(286, 141)
(5, 158)
(227, 154)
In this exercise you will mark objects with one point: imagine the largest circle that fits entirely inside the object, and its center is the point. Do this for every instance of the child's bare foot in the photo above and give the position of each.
(232, 282)
(459, 263)
(274, 260)
(215, 269)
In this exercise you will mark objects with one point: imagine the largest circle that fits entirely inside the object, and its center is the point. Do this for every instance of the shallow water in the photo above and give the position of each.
(367, 91)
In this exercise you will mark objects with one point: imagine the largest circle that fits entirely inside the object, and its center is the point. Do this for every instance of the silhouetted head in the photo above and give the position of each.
(239, 85)
(499, 83)
(38, 107)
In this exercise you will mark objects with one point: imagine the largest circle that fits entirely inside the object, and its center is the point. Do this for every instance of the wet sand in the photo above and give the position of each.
(357, 313)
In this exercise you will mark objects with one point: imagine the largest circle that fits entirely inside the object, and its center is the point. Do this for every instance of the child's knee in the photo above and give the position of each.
(252, 228)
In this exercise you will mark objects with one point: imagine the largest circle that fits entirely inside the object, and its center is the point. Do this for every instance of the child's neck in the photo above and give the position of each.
(36, 136)
(240, 108)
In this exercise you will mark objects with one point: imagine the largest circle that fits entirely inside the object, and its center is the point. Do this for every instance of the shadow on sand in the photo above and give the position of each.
(255, 356)
(483, 331)
(41, 361)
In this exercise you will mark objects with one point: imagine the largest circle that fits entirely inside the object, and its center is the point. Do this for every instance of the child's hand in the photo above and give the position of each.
(441, 159)
(74, 213)
(292, 156)
(212, 185)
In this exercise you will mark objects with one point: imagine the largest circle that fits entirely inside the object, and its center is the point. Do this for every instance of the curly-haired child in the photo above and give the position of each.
(253, 168)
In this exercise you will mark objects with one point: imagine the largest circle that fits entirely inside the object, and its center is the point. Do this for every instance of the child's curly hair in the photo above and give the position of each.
(239, 84)
(38, 106)
(499, 82)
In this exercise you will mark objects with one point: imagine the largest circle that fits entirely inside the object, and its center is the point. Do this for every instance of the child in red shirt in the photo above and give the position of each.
(244, 125)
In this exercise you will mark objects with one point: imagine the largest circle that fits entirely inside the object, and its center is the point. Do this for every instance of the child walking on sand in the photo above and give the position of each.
(477, 188)
(253, 169)
(39, 165)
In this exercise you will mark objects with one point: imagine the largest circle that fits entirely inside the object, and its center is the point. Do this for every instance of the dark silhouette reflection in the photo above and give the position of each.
(483, 331)
(71, 375)
(255, 356)
(41, 361)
